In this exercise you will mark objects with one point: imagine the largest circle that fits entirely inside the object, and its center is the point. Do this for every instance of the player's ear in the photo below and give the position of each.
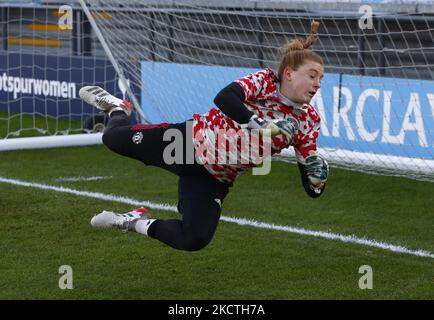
(288, 73)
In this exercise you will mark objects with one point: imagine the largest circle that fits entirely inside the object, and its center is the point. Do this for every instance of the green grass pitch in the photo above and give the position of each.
(41, 230)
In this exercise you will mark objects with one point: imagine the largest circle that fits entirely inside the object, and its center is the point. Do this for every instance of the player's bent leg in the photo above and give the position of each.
(200, 205)
(200, 220)
(195, 231)
(200, 199)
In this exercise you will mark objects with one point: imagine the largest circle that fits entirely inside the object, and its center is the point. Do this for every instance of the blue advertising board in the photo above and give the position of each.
(49, 85)
(380, 115)
(359, 113)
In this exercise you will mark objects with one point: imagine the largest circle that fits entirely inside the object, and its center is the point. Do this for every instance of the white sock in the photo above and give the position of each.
(142, 226)
(115, 109)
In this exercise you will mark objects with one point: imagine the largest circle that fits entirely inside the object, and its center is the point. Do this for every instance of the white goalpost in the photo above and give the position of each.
(170, 58)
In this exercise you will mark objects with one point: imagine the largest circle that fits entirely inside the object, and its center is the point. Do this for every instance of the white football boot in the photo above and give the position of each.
(101, 99)
(124, 221)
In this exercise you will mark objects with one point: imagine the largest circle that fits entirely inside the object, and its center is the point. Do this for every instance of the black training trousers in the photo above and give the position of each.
(197, 188)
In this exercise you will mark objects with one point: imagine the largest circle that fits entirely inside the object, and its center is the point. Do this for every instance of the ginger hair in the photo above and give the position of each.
(295, 52)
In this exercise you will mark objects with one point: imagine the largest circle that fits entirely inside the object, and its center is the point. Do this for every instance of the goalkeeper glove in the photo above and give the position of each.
(285, 127)
(317, 170)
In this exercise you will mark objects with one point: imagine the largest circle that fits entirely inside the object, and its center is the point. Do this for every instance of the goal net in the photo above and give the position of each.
(377, 98)
(45, 57)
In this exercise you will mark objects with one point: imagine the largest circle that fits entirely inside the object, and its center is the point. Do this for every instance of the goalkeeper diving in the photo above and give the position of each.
(273, 102)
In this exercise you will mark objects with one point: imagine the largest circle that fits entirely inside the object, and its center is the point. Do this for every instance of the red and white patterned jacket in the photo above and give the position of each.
(263, 98)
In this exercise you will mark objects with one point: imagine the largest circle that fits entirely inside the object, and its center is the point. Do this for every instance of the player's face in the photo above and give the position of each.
(303, 83)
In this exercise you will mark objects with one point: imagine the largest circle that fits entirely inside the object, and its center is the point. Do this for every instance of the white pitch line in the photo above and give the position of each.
(76, 179)
(239, 221)
(95, 195)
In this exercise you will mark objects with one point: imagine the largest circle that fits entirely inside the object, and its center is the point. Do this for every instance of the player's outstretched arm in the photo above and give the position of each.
(314, 175)
(230, 101)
